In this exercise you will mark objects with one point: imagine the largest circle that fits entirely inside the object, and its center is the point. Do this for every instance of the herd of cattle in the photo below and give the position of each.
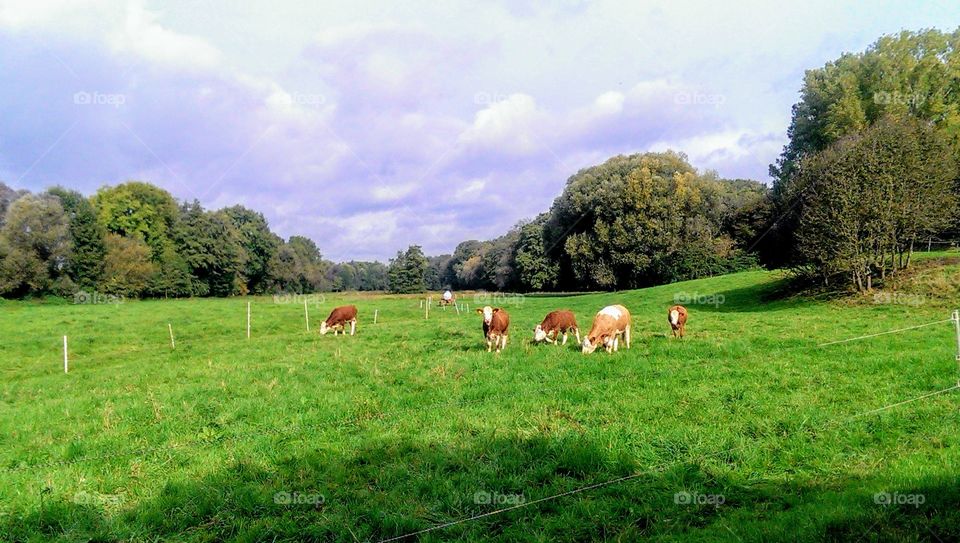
(609, 325)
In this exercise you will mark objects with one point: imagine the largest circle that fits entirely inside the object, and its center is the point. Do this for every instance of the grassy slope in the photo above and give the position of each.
(401, 426)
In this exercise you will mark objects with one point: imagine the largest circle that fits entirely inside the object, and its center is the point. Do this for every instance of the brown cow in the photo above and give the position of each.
(556, 323)
(495, 324)
(610, 323)
(338, 319)
(677, 317)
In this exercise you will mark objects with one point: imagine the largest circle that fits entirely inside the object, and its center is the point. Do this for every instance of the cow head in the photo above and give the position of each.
(487, 313)
(539, 334)
(324, 328)
(590, 346)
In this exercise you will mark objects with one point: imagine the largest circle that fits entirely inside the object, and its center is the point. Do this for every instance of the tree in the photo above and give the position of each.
(211, 247)
(85, 266)
(911, 74)
(436, 276)
(127, 266)
(259, 243)
(36, 243)
(535, 269)
(136, 209)
(867, 199)
(638, 220)
(408, 271)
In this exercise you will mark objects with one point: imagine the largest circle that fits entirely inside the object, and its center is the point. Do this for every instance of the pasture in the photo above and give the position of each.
(746, 430)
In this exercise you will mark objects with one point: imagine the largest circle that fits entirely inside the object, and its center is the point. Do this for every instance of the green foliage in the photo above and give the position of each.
(85, 266)
(867, 199)
(631, 220)
(211, 246)
(259, 243)
(535, 269)
(911, 74)
(37, 246)
(136, 209)
(408, 271)
(127, 266)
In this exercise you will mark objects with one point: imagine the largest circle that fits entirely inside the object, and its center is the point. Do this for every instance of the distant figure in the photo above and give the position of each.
(677, 317)
(495, 324)
(609, 324)
(556, 323)
(447, 298)
(338, 319)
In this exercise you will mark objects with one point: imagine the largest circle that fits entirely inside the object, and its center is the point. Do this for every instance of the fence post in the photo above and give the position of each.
(248, 320)
(173, 344)
(306, 314)
(376, 313)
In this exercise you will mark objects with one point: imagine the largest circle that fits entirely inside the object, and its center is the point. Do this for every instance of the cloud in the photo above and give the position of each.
(373, 128)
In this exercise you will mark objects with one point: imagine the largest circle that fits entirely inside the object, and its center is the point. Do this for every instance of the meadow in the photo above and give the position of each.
(749, 429)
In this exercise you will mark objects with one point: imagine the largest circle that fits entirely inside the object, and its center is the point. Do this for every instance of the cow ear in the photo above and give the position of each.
(480, 311)
(495, 309)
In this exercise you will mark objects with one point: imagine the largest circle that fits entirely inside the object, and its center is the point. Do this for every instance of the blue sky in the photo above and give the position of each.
(369, 126)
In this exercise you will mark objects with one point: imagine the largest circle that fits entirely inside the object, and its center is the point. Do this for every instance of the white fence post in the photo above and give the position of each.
(306, 314)
(173, 344)
(376, 313)
(248, 320)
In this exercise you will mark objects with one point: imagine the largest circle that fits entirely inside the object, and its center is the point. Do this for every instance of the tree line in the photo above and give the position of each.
(135, 239)
(870, 169)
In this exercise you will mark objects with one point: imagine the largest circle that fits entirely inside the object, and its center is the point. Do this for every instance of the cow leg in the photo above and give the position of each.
(353, 327)
(626, 336)
(503, 340)
(616, 343)
(577, 330)
(564, 339)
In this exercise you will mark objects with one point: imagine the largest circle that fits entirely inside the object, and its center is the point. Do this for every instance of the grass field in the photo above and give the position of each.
(746, 430)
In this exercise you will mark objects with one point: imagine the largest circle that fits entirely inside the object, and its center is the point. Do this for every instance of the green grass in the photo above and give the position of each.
(405, 425)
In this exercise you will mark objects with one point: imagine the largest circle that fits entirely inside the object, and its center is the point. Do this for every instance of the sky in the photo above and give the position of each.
(370, 126)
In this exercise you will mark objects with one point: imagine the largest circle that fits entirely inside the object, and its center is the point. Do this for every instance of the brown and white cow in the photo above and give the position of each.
(556, 323)
(677, 317)
(338, 320)
(609, 324)
(447, 298)
(495, 324)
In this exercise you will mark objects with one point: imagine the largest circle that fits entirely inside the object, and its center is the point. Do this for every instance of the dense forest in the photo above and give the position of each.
(869, 172)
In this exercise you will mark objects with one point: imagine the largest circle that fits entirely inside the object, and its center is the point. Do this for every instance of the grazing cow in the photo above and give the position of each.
(495, 324)
(610, 323)
(677, 317)
(338, 320)
(448, 298)
(556, 323)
